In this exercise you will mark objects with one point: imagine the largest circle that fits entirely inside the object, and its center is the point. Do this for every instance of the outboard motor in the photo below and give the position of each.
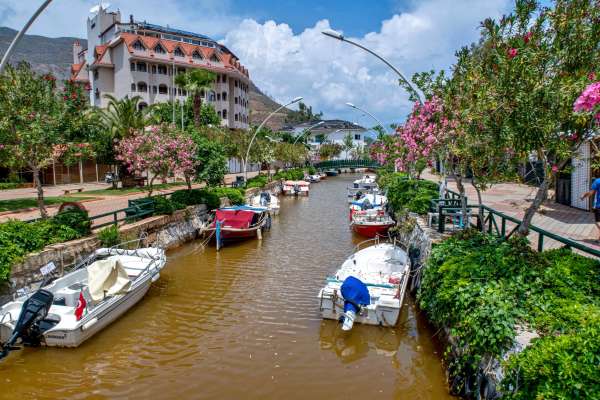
(358, 195)
(34, 311)
(356, 295)
(296, 188)
(265, 198)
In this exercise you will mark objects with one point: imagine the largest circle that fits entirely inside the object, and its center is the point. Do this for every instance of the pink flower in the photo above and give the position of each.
(589, 100)
(592, 76)
(512, 52)
(527, 37)
(554, 169)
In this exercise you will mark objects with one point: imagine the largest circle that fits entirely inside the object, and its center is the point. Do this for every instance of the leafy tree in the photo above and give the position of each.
(196, 82)
(329, 150)
(210, 159)
(162, 113)
(304, 114)
(348, 144)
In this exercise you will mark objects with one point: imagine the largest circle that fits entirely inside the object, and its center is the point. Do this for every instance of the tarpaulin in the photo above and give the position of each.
(239, 219)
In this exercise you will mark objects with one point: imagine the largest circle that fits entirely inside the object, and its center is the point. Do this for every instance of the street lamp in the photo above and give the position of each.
(367, 113)
(297, 99)
(21, 33)
(308, 130)
(337, 35)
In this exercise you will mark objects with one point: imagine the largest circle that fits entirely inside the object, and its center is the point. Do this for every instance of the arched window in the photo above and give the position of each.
(154, 69)
(138, 45)
(154, 89)
(132, 66)
(196, 55)
(133, 87)
(236, 117)
(218, 96)
(202, 94)
(162, 89)
(162, 69)
(141, 67)
(142, 105)
(214, 58)
(142, 87)
(219, 114)
(224, 114)
(224, 78)
(159, 49)
(224, 96)
(211, 96)
(178, 52)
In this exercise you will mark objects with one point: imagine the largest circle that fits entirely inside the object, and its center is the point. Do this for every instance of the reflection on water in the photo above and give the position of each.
(243, 323)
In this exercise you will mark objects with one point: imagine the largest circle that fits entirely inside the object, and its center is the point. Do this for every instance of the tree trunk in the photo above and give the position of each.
(188, 181)
(540, 196)
(40, 192)
(480, 203)
(197, 109)
(150, 185)
(463, 199)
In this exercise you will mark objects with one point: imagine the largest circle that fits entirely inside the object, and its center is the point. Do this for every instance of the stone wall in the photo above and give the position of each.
(166, 231)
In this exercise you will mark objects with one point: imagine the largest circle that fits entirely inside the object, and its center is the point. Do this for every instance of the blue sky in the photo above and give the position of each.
(281, 44)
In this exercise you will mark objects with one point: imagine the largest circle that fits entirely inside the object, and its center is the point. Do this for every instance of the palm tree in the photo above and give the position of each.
(195, 82)
(123, 117)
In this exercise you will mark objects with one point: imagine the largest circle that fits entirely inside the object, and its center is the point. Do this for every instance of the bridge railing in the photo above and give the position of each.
(346, 164)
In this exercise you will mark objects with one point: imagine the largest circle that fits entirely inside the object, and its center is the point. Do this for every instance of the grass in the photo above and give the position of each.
(126, 191)
(31, 202)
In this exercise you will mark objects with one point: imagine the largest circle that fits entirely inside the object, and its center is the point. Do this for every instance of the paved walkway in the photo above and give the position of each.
(514, 198)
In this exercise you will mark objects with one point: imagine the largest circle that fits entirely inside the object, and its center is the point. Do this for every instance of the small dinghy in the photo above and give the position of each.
(73, 308)
(296, 188)
(371, 223)
(268, 200)
(369, 287)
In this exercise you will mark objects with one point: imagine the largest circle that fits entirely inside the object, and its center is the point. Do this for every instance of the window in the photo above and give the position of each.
(224, 114)
(159, 49)
(141, 67)
(137, 45)
(224, 96)
(202, 93)
(219, 114)
(236, 117)
(97, 93)
(142, 106)
(181, 70)
(133, 87)
(178, 52)
(184, 92)
(357, 136)
(218, 96)
(142, 87)
(211, 96)
(224, 78)
(154, 69)
(162, 89)
(235, 83)
(132, 66)
(214, 58)
(154, 89)
(196, 55)
(95, 74)
(235, 100)
(162, 69)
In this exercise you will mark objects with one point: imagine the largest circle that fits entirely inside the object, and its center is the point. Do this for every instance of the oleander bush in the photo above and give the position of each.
(414, 195)
(74, 218)
(481, 288)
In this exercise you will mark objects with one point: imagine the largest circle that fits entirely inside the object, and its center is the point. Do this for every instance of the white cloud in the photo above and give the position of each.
(328, 73)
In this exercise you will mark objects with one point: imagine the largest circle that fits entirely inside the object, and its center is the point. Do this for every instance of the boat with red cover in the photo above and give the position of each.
(371, 223)
(239, 222)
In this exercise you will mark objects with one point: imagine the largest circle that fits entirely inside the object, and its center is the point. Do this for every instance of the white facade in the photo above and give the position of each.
(141, 59)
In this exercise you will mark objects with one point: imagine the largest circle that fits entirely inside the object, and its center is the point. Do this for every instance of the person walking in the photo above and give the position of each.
(596, 193)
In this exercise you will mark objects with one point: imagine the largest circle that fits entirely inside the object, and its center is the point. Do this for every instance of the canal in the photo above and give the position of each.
(244, 324)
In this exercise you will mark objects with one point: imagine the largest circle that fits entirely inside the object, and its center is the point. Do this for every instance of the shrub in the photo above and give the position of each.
(9, 185)
(165, 206)
(411, 194)
(189, 197)
(294, 174)
(311, 170)
(257, 181)
(235, 196)
(109, 236)
(74, 218)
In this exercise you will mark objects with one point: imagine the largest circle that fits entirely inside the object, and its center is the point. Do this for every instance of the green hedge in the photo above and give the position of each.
(481, 287)
(209, 196)
(408, 194)
(294, 174)
(257, 181)
(18, 238)
(10, 185)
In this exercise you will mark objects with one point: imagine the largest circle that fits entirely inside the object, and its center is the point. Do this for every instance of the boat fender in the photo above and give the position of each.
(89, 324)
(155, 277)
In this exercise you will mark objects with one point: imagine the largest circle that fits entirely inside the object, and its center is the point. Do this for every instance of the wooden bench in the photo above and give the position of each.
(68, 191)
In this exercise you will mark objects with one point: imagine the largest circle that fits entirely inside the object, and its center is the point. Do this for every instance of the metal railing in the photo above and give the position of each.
(346, 164)
(496, 223)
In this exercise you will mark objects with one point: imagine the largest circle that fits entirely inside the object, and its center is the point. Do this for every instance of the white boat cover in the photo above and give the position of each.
(107, 278)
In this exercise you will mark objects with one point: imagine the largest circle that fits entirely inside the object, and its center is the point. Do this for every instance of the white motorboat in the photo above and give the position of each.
(368, 201)
(268, 200)
(366, 182)
(296, 188)
(73, 308)
(368, 288)
(314, 178)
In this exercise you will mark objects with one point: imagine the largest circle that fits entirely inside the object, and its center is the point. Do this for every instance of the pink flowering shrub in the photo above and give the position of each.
(159, 150)
(589, 101)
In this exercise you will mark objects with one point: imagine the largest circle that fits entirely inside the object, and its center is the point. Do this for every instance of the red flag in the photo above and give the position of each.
(80, 307)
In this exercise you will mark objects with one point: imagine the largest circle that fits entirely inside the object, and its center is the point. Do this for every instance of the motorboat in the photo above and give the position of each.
(368, 201)
(369, 287)
(371, 223)
(74, 307)
(314, 178)
(296, 188)
(366, 182)
(268, 200)
(331, 172)
(238, 222)
(322, 175)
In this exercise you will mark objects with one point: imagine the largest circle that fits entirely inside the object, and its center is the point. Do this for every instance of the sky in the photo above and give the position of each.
(281, 44)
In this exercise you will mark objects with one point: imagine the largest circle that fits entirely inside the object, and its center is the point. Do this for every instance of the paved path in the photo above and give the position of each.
(514, 198)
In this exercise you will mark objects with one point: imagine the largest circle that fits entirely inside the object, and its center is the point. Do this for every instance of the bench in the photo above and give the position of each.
(68, 191)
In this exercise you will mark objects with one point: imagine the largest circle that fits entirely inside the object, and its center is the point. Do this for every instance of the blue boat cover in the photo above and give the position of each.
(355, 293)
(245, 208)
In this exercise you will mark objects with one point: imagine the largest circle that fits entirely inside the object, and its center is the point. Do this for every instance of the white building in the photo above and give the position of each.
(330, 131)
(141, 59)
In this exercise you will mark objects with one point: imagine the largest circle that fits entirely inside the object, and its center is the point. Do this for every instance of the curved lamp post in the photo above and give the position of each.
(308, 130)
(21, 33)
(297, 99)
(337, 35)
(367, 113)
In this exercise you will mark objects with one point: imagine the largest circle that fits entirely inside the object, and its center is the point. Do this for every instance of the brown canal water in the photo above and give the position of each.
(243, 324)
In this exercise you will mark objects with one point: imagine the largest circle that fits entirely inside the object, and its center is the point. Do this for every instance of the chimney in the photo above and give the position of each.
(76, 50)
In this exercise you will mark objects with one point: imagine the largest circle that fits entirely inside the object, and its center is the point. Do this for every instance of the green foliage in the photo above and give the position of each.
(311, 170)
(109, 236)
(10, 185)
(75, 218)
(165, 206)
(209, 196)
(162, 113)
(411, 194)
(257, 181)
(329, 150)
(294, 174)
(304, 114)
(210, 159)
(482, 287)
(235, 196)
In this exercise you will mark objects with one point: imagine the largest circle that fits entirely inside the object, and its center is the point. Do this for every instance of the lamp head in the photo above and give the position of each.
(333, 34)
(297, 99)
(350, 105)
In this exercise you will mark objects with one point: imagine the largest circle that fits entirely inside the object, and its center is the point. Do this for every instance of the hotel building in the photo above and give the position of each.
(141, 59)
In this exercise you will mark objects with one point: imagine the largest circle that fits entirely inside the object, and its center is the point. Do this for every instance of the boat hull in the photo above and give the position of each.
(371, 230)
(291, 192)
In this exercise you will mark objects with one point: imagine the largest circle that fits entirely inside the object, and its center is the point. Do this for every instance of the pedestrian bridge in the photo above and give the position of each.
(337, 164)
